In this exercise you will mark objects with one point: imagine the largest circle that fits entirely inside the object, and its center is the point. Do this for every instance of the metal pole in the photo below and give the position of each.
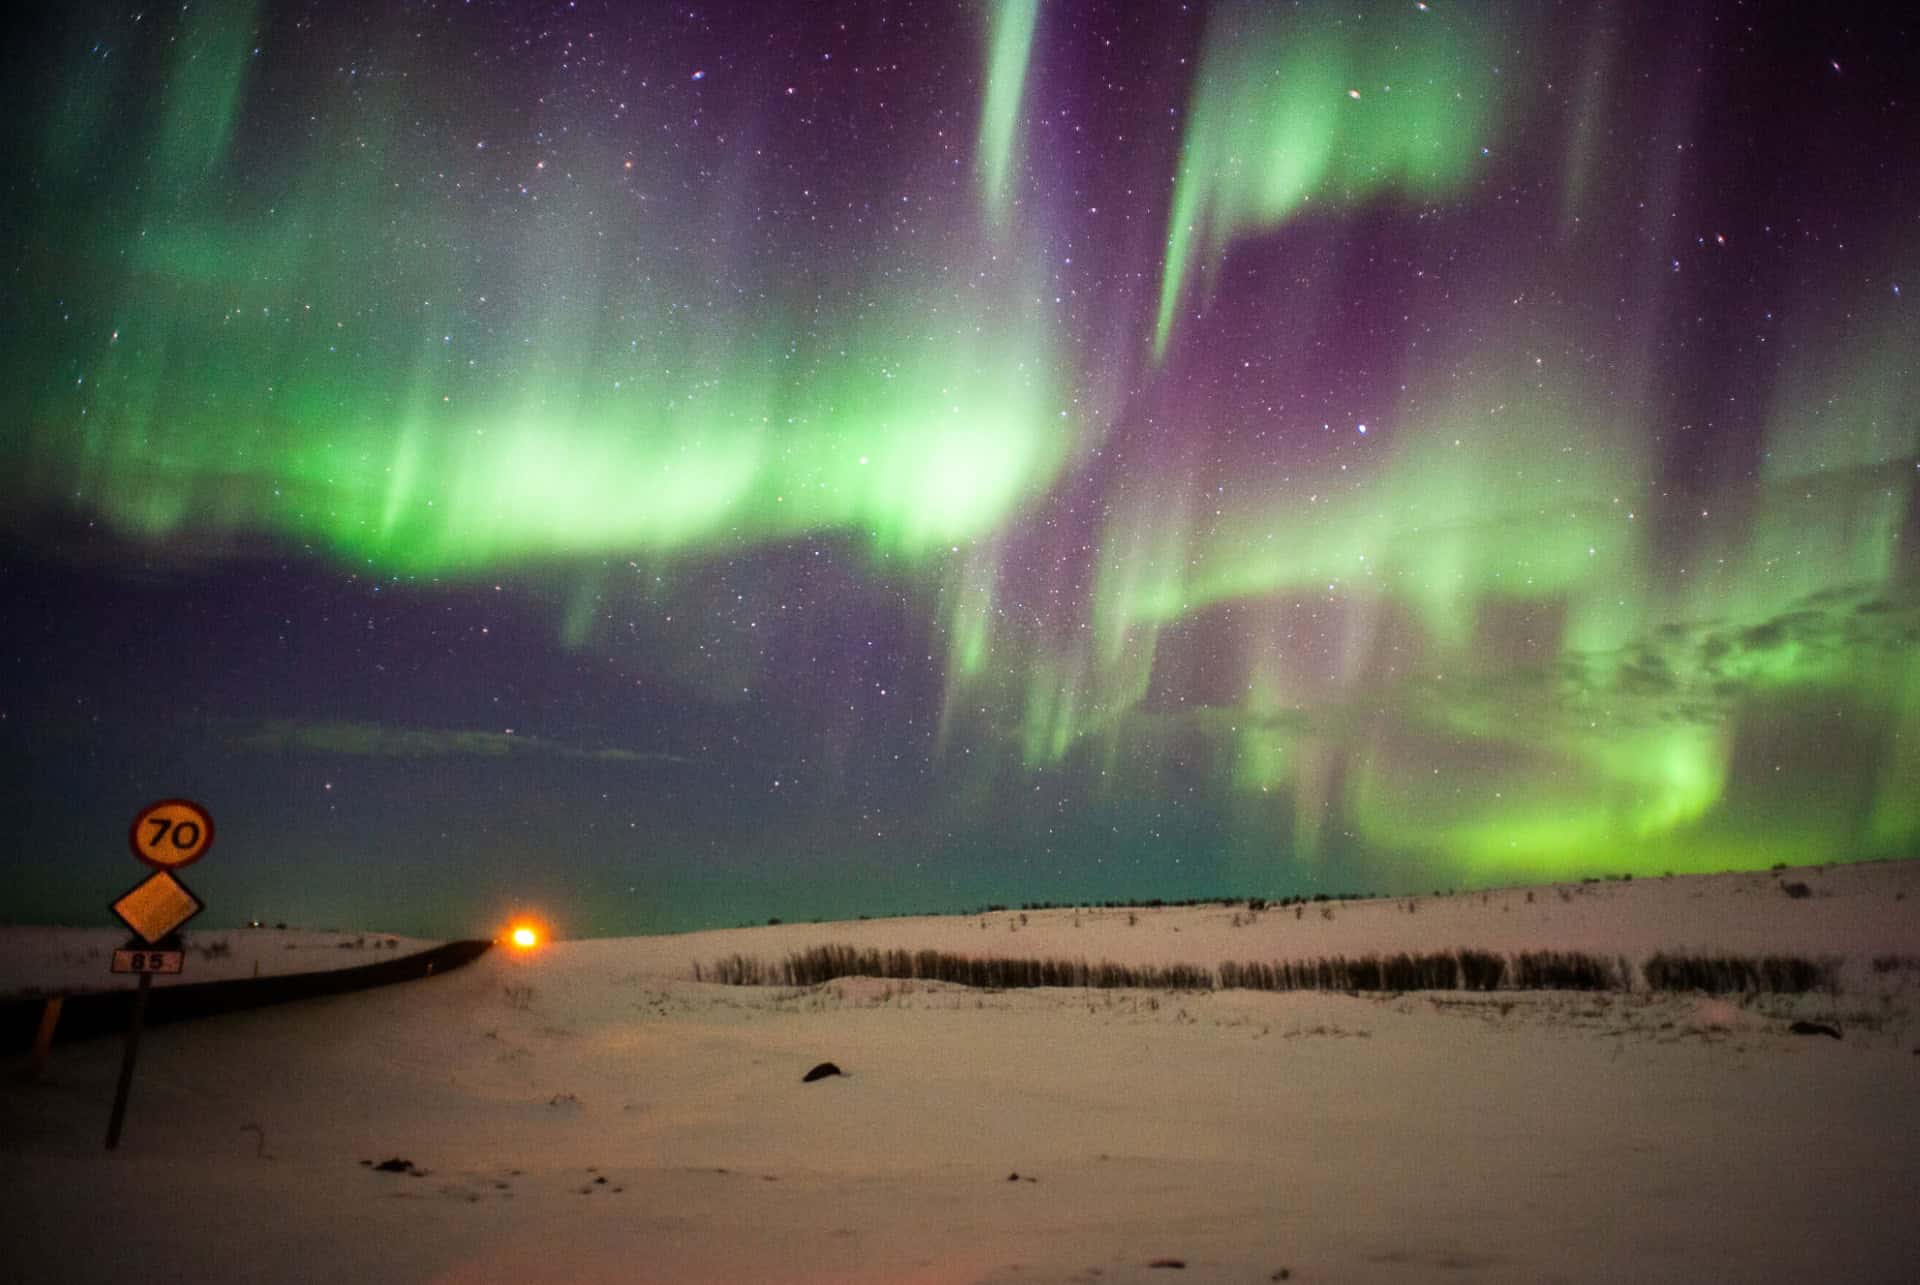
(126, 1062)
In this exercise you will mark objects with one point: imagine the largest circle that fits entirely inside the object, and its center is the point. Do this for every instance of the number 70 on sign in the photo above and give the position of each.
(171, 833)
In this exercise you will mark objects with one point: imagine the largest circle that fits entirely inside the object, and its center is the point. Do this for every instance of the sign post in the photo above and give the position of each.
(125, 1085)
(166, 835)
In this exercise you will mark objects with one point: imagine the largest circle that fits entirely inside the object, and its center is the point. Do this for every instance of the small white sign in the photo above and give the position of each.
(149, 961)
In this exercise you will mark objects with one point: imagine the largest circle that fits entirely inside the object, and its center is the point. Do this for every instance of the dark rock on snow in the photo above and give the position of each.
(1815, 1028)
(821, 1072)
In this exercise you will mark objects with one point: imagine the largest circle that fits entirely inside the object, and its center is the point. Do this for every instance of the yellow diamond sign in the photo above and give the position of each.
(157, 907)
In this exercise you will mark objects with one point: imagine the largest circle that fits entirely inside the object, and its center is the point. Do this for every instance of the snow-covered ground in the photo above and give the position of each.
(71, 961)
(1855, 912)
(586, 1112)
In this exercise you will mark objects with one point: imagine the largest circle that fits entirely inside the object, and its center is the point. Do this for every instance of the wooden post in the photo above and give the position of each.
(43, 1038)
(126, 1061)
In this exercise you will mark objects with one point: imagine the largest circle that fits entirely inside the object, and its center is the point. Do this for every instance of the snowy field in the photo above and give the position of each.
(588, 1112)
(73, 961)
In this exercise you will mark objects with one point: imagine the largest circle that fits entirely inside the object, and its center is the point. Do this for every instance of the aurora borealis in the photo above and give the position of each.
(666, 465)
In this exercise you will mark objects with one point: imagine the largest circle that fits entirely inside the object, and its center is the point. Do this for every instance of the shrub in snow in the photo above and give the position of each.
(1724, 974)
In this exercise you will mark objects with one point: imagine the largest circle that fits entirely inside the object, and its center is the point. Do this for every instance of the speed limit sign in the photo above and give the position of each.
(171, 833)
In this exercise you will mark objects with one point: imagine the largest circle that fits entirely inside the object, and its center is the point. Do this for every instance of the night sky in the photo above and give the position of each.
(659, 466)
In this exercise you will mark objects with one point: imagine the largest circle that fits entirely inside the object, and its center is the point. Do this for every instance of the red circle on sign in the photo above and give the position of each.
(171, 833)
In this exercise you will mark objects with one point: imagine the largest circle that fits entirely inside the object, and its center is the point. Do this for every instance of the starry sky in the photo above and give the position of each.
(666, 465)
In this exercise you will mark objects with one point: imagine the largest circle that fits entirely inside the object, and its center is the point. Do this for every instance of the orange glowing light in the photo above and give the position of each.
(525, 938)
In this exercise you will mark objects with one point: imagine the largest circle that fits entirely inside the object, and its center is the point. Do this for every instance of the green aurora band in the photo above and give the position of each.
(1317, 103)
(196, 422)
(1009, 50)
(1483, 664)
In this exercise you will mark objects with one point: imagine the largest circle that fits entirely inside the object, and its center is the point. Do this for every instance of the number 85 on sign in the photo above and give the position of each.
(171, 833)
